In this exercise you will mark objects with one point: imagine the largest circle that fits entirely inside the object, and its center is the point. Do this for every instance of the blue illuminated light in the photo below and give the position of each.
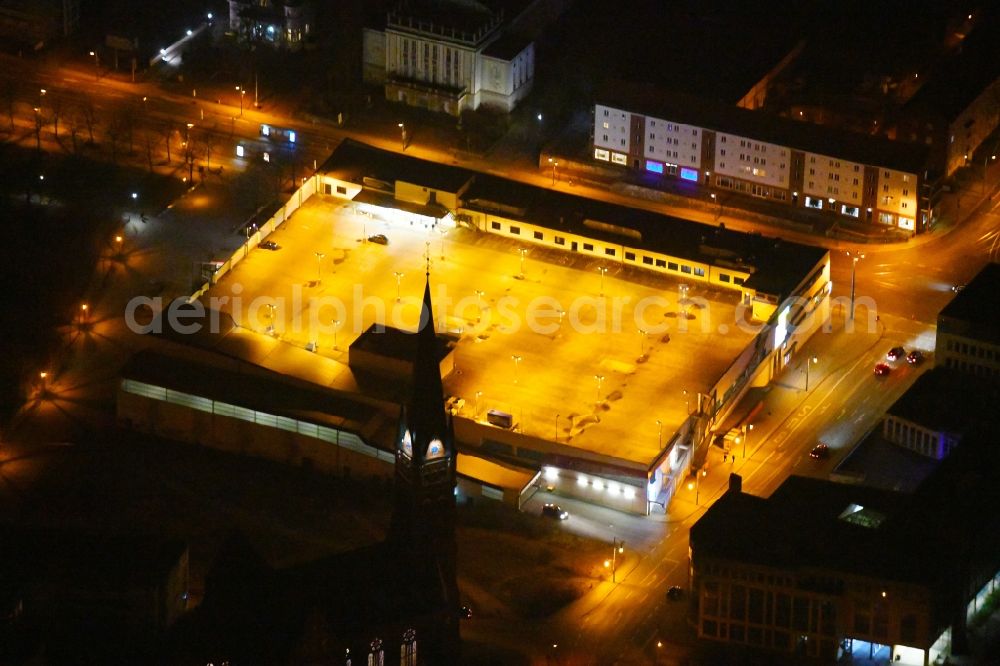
(291, 137)
(689, 174)
(655, 167)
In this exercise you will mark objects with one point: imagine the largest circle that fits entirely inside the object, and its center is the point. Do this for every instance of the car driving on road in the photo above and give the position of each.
(554, 511)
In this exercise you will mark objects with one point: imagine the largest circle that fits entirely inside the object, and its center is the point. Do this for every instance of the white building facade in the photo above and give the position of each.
(717, 159)
(465, 60)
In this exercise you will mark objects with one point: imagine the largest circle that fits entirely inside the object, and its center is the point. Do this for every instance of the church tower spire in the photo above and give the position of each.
(423, 518)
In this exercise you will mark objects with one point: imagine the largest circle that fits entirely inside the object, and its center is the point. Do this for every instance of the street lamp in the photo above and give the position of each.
(242, 93)
(696, 485)
(554, 165)
(659, 434)
(517, 361)
(600, 380)
(336, 325)
(319, 265)
(687, 401)
(557, 427)
(399, 276)
(854, 265)
(809, 361)
(617, 548)
(642, 342)
(97, 65)
(602, 270)
(523, 251)
(479, 394)
(402, 135)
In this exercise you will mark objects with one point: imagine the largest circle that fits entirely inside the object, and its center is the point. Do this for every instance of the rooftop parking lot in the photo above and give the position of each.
(594, 358)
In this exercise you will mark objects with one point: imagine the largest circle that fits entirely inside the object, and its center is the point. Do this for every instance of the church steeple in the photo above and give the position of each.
(425, 448)
(427, 435)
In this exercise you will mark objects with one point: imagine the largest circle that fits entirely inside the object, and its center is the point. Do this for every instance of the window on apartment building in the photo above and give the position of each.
(610, 251)
(560, 240)
(906, 178)
(737, 280)
(341, 189)
(605, 138)
(700, 272)
(606, 113)
(672, 266)
(723, 139)
(538, 235)
(630, 256)
(812, 172)
(694, 132)
(722, 152)
(623, 142)
(647, 260)
(724, 277)
(607, 125)
(661, 263)
(886, 174)
(812, 160)
(588, 247)
(685, 269)
(885, 188)
(515, 230)
(904, 205)
(652, 137)
(495, 226)
(855, 181)
(782, 166)
(906, 192)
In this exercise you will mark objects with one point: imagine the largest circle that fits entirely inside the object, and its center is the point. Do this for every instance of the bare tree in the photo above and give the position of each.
(75, 123)
(167, 131)
(56, 106)
(149, 150)
(90, 119)
(114, 132)
(209, 140)
(39, 123)
(10, 99)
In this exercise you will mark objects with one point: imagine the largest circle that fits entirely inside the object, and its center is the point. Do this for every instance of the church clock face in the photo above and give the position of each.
(407, 444)
(435, 449)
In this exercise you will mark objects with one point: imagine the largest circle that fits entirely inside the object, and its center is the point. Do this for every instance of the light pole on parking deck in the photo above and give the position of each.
(399, 276)
(319, 265)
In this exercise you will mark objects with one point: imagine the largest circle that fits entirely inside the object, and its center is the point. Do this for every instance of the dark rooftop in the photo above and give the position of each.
(394, 343)
(354, 162)
(960, 79)
(717, 49)
(975, 311)
(924, 402)
(213, 376)
(870, 150)
(799, 525)
(810, 524)
(776, 266)
(507, 46)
